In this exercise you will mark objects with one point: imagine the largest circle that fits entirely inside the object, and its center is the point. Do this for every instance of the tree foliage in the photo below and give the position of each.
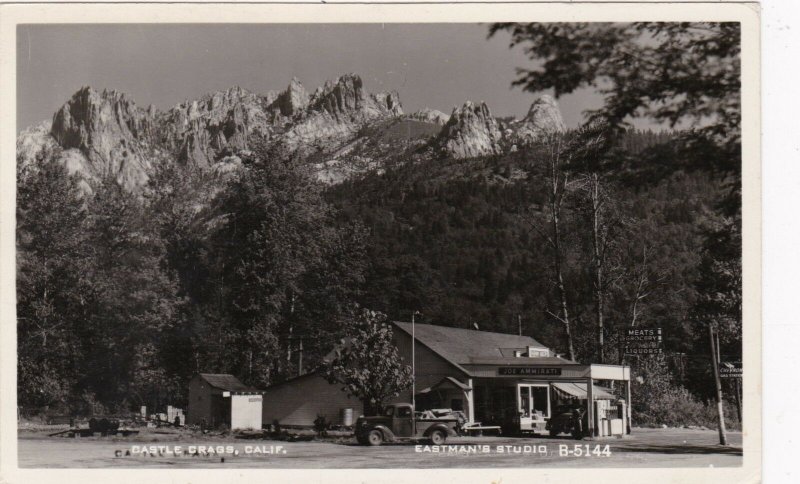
(52, 287)
(367, 363)
(264, 262)
(670, 71)
(93, 293)
(682, 73)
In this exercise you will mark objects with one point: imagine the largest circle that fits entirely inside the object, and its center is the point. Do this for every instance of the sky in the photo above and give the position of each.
(430, 65)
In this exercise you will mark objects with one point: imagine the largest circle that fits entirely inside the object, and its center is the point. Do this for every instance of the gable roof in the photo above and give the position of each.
(226, 381)
(462, 346)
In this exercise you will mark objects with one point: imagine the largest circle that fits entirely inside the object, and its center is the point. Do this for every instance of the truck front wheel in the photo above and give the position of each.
(438, 437)
(375, 437)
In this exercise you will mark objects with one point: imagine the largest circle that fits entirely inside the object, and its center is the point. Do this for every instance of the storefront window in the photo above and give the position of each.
(540, 400)
(525, 401)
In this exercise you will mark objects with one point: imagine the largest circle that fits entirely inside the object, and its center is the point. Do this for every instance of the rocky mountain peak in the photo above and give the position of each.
(340, 97)
(106, 133)
(293, 100)
(428, 115)
(544, 117)
(335, 113)
(346, 97)
(471, 131)
(89, 115)
(199, 130)
(388, 102)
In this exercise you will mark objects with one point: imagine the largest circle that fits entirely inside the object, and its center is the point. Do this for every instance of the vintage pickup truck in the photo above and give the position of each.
(400, 423)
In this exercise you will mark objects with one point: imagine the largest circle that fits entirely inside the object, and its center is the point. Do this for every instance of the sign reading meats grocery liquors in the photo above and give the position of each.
(641, 341)
(528, 371)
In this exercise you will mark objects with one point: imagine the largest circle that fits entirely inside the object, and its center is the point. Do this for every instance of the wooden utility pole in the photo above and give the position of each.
(300, 358)
(414, 360)
(723, 439)
(738, 390)
(519, 323)
(736, 383)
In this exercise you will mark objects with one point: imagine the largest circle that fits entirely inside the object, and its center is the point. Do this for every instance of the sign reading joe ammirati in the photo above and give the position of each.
(527, 370)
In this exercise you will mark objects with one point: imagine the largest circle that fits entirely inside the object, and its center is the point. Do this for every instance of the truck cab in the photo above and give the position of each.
(399, 422)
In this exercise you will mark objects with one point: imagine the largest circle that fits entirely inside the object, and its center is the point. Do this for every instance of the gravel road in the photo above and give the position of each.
(644, 448)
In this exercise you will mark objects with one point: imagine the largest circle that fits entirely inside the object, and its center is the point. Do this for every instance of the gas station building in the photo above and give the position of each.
(493, 378)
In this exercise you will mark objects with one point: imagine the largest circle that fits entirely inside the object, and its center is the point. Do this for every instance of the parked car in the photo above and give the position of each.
(400, 423)
(568, 419)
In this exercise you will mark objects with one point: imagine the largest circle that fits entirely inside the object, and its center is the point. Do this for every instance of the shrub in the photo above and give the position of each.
(321, 424)
(658, 400)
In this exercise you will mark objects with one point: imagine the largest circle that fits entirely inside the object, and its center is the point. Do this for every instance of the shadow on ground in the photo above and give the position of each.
(680, 449)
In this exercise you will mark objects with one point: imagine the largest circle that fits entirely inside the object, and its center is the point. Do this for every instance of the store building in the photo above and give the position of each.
(221, 399)
(493, 378)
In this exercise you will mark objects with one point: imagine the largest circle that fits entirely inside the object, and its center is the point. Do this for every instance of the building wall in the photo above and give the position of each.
(246, 411)
(430, 367)
(300, 401)
(200, 397)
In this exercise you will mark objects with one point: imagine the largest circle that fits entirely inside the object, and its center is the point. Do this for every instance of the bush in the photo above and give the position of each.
(321, 424)
(658, 400)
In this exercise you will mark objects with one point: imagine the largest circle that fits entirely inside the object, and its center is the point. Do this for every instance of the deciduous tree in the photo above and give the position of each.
(367, 363)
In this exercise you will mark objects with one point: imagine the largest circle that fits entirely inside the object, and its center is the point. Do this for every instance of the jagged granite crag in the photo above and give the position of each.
(293, 100)
(334, 114)
(222, 122)
(471, 132)
(428, 115)
(340, 129)
(105, 134)
(544, 117)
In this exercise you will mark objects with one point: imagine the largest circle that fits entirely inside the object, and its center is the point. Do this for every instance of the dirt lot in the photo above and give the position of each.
(645, 448)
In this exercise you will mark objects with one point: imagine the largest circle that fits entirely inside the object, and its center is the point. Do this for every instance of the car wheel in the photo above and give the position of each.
(577, 434)
(554, 432)
(375, 438)
(438, 437)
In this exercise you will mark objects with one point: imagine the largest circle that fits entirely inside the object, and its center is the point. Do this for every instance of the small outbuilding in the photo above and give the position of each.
(217, 399)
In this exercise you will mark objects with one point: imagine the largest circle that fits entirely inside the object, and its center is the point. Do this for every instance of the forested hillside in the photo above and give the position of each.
(123, 297)
(465, 244)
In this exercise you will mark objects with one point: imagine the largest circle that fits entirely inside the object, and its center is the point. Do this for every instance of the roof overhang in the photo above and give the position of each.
(448, 383)
(578, 390)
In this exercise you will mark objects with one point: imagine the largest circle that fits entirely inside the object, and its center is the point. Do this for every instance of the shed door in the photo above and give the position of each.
(220, 411)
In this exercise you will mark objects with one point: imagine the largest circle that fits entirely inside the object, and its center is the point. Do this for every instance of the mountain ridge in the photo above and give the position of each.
(102, 134)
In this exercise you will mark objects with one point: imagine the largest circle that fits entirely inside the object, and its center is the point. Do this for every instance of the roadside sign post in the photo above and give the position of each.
(733, 369)
(723, 439)
(638, 341)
